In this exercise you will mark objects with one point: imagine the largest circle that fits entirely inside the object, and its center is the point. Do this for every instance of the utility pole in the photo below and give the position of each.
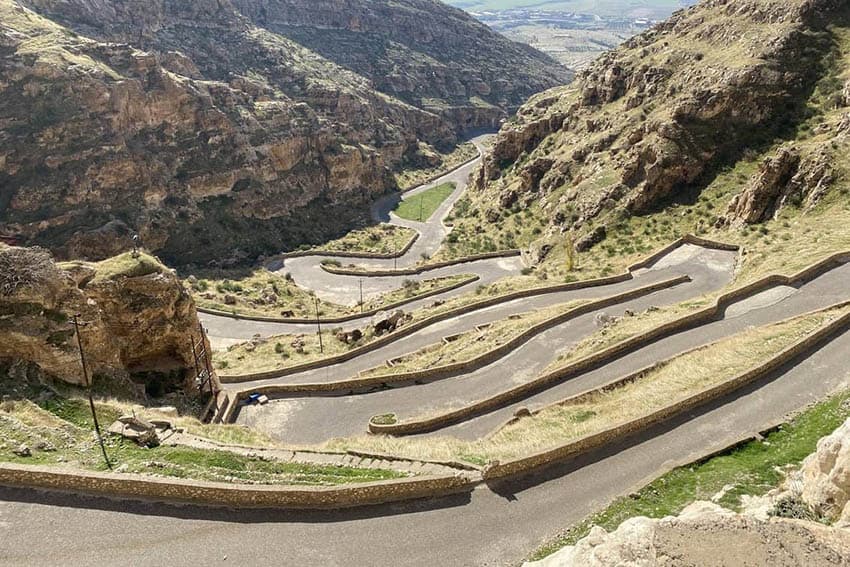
(361, 295)
(319, 327)
(89, 385)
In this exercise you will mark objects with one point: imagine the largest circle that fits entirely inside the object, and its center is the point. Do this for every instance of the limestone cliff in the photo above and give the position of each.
(204, 127)
(663, 114)
(137, 320)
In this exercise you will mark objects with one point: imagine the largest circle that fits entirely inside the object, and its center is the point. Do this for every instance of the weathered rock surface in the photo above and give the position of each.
(705, 534)
(221, 129)
(665, 112)
(135, 327)
(825, 476)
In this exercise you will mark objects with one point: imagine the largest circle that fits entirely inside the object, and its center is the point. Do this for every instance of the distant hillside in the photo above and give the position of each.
(223, 129)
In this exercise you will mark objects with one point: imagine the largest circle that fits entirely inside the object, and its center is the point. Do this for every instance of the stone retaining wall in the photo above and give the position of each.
(418, 270)
(801, 348)
(345, 318)
(468, 365)
(234, 495)
(604, 356)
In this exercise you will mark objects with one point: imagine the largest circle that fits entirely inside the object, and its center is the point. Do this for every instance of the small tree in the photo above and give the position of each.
(572, 256)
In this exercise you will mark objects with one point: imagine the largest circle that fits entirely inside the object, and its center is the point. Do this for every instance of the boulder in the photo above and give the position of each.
(385, 322)
(140, 431)
(825, 475)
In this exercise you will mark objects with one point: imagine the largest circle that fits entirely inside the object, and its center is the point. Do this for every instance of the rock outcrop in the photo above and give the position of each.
(219, 129)
(137, 322)
(665, 112)
(824, 478)
(706, 534)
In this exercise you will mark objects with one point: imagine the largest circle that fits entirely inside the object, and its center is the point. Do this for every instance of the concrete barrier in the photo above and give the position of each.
(418, 270)
(346, 254)
(472, 364)
(605, 356)
(482, 304)
(803, 347)
(235, 495)
(344, 318)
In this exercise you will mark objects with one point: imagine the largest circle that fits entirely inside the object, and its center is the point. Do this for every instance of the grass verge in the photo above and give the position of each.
(420, 207)
(472, 344)
(58, 432)
(556, 425)
(415, 176)
(268, 294)
(750, 469)
(379, 239)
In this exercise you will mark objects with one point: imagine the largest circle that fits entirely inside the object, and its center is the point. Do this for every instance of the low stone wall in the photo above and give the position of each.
(452, 369)
(345, 318)
(483, 304)
(806, 346)
(234, 495)
(415, 271)
(345, 254)
(604, 356)
(477, 362)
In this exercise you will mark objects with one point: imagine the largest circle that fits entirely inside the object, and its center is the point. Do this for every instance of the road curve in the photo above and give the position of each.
(307, 271)
(490, 528)
(300, 419)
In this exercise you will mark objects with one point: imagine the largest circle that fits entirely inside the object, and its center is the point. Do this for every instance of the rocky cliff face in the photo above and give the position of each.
(665, 112)
(206, 129)
(137, 320)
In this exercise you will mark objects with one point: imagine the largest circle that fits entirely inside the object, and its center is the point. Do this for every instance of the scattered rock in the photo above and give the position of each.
(135, 429)
(349, 337)
(596, 236)
(825, 476)
(230, 299)
(384, 322)
(602, 319)
(22, 451)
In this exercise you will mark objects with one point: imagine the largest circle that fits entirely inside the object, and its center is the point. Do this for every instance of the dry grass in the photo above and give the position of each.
(672, 381)
(267, 294)
(626, 327)
(380, 239)
(472, 344)
(413, 177)
(280, 352)
(124, 265)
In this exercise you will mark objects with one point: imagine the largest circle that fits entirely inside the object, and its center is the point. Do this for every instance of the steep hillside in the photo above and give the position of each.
(218, 138)
(657, 125)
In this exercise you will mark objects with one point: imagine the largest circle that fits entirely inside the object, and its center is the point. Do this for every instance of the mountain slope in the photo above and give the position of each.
(658, 121)
(210, 135)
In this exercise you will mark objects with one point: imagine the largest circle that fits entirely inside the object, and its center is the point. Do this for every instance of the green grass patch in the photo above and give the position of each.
(420, 207)
(753, 468)
(58, 431)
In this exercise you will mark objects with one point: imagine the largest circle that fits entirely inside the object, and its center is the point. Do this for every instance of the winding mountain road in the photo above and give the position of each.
(498, 524)
(307, 272)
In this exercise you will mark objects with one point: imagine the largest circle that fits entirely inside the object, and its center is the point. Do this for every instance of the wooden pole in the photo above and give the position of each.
(91, 399)
(319, 327)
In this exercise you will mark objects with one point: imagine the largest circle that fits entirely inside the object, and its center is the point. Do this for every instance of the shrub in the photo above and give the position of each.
(25, 267)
